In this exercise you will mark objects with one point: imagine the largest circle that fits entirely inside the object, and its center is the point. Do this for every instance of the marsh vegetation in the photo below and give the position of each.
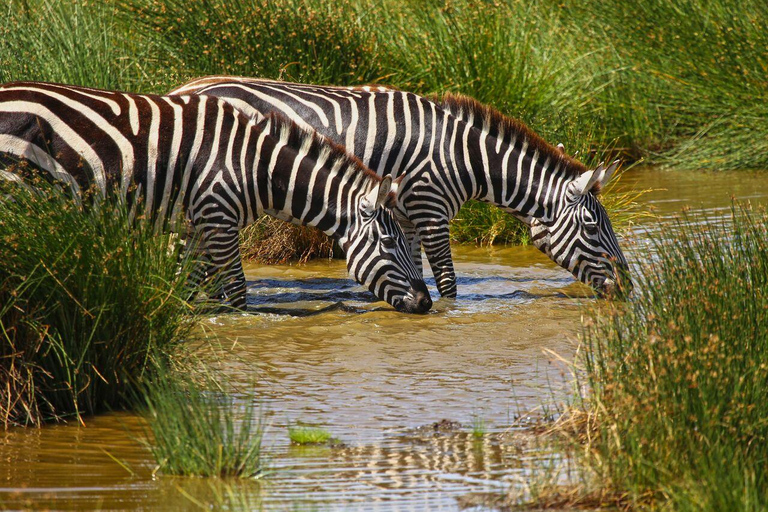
(677, 83)
(88, 299)
(676, 404)
(91, 303)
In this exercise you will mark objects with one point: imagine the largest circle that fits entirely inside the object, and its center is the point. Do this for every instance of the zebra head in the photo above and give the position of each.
(378, 255)
(579, 237)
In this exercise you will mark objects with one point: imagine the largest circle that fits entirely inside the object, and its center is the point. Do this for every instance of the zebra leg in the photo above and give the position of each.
(437, 246)
(223, 248)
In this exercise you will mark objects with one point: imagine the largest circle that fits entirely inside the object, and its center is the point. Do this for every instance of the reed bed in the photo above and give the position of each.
(88, 296)
(681, 83)
(677, 377)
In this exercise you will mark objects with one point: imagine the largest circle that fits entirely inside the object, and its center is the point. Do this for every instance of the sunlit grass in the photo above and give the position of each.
(73, 42)
(693, 80)
(479, 427)
(679, 83)
(88, 296)
(317, 41)
(677, 376)
(197, 429)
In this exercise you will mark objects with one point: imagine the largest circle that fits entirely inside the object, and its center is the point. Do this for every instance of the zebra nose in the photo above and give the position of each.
(418, 299)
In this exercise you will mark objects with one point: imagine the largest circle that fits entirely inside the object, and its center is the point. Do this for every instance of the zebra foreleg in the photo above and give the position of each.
(437, 246)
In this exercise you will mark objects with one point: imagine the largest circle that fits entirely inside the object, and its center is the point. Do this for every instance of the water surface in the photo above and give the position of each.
(317, 349)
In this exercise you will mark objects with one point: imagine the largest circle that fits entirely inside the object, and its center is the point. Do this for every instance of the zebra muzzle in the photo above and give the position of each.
(417, 300)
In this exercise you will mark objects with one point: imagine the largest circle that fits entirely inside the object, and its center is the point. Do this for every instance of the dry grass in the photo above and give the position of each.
(271, 241)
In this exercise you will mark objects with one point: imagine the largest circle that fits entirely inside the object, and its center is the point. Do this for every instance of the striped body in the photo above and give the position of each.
(448, 151)
(197, 158)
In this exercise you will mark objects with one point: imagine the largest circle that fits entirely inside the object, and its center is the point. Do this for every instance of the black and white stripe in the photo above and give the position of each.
(449, 151)
(199, 157)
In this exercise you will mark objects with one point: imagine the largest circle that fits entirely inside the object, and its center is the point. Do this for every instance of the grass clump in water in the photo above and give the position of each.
(305, 434)
(479, 427)
(273, 242)
(87, 296)
(679, 376)
(198, 430)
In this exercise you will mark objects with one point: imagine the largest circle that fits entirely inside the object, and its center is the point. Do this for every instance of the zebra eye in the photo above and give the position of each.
(590, 227)
(388, 242)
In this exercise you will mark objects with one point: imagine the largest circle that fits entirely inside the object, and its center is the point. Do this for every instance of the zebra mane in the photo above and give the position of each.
(317, 145)
(494, 123)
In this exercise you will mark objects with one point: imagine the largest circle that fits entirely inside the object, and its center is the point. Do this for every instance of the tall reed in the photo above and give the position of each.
(87, 296)
(72, 41)
(317, 41)
(699, 70)
(677, 377)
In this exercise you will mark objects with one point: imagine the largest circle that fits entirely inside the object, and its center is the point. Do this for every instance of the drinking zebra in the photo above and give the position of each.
(450, 150)
(198, 157)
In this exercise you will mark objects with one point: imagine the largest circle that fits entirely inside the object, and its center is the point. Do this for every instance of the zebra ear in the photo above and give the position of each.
(584, 183)
(608, 173)
(377, 197)
(384, 187)
(561, 148)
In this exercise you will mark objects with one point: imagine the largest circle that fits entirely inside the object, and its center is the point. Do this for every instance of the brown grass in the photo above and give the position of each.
(271, 241)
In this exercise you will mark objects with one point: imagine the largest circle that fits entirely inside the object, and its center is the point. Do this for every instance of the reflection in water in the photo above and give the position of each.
(316, 347)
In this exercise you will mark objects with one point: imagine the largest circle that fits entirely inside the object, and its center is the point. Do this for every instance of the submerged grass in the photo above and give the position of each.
(479, 427)
(88, 296)
(678, 377)
(306, 434)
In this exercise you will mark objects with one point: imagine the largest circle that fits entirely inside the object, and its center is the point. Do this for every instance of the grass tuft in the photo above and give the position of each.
(479, 427)
(198, 430)
(677, 376)
(272, 242)
(305, 434)
(87, 297)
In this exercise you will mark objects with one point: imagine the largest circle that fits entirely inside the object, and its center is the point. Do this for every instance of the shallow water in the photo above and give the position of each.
(319, 351)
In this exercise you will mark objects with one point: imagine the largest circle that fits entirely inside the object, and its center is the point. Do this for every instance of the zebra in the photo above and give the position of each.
(446, 151)
(198, 158)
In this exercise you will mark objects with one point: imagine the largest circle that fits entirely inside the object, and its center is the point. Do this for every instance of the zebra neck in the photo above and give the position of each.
(320, 192)
(511, 173)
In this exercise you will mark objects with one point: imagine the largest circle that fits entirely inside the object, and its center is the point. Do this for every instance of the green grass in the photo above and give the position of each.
(682, 83)
(677, 377)
(696, 72)
(479, 427)
(196, 429)
(72, 41)
(305, 434)
(87, 297)
(319, 41)
(485, 224)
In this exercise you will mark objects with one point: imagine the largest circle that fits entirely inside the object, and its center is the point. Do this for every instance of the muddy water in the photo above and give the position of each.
(318, 351)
